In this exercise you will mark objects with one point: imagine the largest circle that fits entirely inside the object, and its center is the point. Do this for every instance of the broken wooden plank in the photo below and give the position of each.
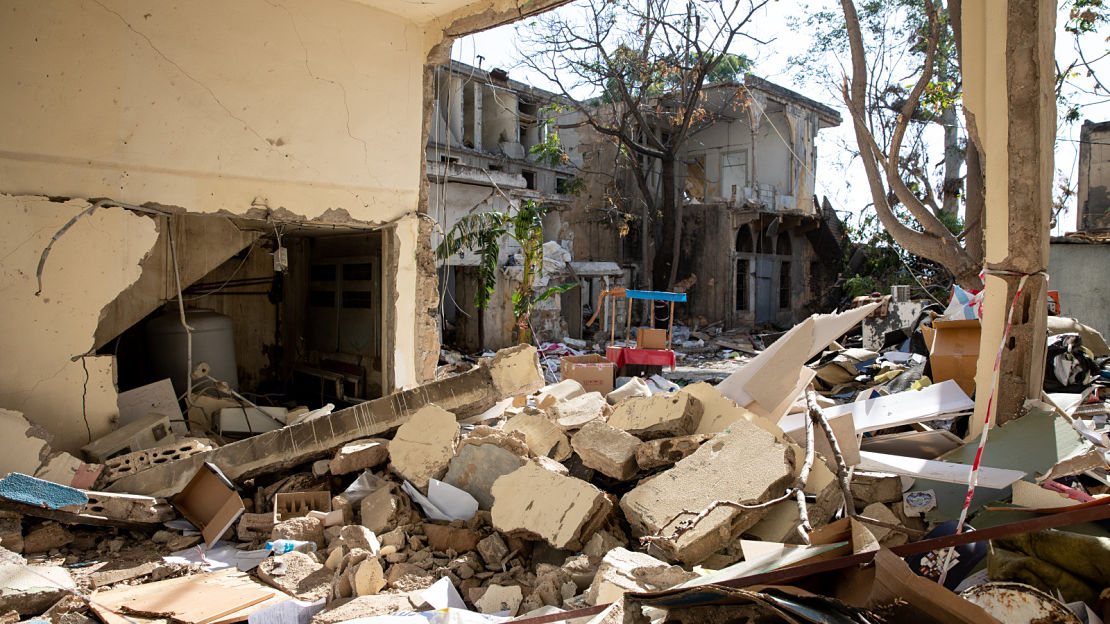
(947, 472)
(511, 372)
(197, 599)
(936, 402)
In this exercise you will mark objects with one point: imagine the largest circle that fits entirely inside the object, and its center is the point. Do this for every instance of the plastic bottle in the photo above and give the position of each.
(282, 546)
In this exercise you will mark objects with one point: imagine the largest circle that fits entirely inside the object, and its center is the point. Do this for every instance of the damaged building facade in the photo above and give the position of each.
(273, 174)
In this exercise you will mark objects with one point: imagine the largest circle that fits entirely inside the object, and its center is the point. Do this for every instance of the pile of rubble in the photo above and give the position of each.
(491, 495)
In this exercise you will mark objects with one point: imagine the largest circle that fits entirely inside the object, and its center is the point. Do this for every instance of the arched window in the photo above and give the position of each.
(744, 239)
(783, 248)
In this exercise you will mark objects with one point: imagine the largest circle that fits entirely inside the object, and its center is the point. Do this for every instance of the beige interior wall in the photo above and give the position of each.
(86, 268)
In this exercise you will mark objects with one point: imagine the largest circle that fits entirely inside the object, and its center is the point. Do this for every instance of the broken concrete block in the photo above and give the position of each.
(744, 465)
(658, 416)
(360, 455)
(442, 538)
(541, 435)
(384, 509)
(535, 503)
(361, 538)
(369, 577)
(493, 550)
(572, 414)
(564, 390)
(31, 590)
(297, 574)
(300, 529)
(623, 571)
(875, 487)
(667, 451)
(364, 607)
(888, 538)
(424, 445)
(120, 466)
(403, 575)
(465, 394)
(607, 449)
(550, 464)
(499, 598)
(634, 387)
(254, 526)
(48, 536)
(718, 411)
(477, 466)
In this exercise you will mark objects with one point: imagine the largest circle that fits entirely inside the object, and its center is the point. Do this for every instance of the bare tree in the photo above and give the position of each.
(636, 73)
(925, 232)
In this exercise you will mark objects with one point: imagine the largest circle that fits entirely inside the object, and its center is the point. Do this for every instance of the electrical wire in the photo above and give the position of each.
(242, 263)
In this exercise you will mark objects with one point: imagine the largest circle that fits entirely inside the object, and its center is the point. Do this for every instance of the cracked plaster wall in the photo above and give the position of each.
(40, 335)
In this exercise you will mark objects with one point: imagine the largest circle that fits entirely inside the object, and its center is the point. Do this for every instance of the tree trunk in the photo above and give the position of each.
(666, 258)
(953, 161)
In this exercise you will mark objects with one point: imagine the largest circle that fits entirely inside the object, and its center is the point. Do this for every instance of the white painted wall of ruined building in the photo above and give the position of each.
(309, 105)
(771, 163)
(87, 267)
(447, 203)
(404, 354)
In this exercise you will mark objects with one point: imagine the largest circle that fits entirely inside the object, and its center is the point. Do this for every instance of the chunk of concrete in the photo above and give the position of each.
(297, 574)
(360, 455)
(424, 445)
(477, 466)
(301, 529)
(31, 590)
(607, 449)
(634, 387)
(369, 577)
(532, 502)
(573, 414)
(564, 390)
(745, 465)
(45, 538)
(442, 538)
(493, 550)
(658, 416)
(668, 451)
(384, 509)
(718, 411)
(11, 534)
(875, 487)
(498, 598)
(541, 435)
(356, 536)
(623, 571)
(513, 371)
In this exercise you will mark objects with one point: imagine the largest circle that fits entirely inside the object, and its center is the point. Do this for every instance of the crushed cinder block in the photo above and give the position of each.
(498, 598)
(623, 571)
(562, 391)
(360, 455)
(46, 537)
(667, 451)
(31, 590)
(477, 466)
(540, 433)
(424, 445)
(745, 465)
(535, 503)
(576, 412)
(122, 465)
(607, 449)
(255, 526)
(658, 416)
(298, 574)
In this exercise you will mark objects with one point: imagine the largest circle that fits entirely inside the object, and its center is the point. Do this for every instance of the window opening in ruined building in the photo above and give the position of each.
(561, 185)
(742, 285)
(450, 160)
(744, 239)
(734, 173)
(783, 248)
(529, 179)
(695, 179)
(784, 285)
(495, 168)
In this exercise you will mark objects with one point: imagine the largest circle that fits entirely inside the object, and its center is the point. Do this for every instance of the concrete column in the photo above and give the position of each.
(1008, 72)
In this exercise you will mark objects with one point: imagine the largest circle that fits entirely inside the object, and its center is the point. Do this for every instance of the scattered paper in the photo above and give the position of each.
(287, 612)
(219, 556)
(442, 595)
(443, 502)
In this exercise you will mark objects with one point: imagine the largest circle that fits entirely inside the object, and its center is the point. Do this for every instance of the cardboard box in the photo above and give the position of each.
(297, 504)
(954, 351)
(647, 338)
(594, 372)
(211, 502)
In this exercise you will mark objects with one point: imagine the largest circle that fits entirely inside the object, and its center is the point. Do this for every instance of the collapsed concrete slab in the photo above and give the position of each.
(744, 465)
(609, 450)
(541, 435)
(667, 451)
(511, 372)
(475, 468)
(424, 445)
(535, 503)
(658, 416)
(576, 412)
(623, 571)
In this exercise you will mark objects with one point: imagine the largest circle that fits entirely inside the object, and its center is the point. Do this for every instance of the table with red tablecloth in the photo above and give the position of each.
(645, 357)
